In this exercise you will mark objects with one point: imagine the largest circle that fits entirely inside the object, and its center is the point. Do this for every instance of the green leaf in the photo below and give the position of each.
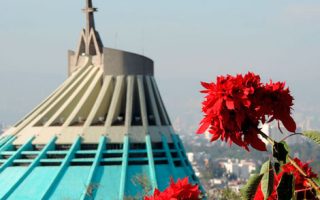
(286, 188)
(280, 151)
(267, 179)
(250, 189)
(313, 135)
(277, 167)
(317, 180)
(264, 167)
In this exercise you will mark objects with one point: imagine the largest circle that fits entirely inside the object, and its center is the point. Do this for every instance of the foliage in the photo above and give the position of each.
(233, 108)
(280, 151)
(285, 188)
(235, 105)
(306, 150)
(228, 194)
(301, 184)
(250, 189)
(283, 181)
(313, 135)
(267, 182)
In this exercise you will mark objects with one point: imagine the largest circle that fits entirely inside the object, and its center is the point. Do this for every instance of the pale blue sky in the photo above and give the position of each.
(189, 40)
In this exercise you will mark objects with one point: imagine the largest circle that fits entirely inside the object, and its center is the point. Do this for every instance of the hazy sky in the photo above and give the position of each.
(189, 40)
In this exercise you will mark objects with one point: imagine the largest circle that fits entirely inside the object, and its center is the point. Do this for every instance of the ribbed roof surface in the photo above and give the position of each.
(90, 104)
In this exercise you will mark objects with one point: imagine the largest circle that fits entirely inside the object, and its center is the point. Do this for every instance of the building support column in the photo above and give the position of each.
(169, 156)
(64, 165)
(125, 156)
(16, 154)
(152, 170)
(95, 164)
(34, 164)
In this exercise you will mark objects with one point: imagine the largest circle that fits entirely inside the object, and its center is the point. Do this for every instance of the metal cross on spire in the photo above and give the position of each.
(92, 42)
(89, 12)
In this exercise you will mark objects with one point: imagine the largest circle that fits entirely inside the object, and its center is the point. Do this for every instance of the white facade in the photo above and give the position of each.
(190, 156)
(242, 169)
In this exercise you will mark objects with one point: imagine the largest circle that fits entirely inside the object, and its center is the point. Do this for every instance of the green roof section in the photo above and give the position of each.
(76, 172)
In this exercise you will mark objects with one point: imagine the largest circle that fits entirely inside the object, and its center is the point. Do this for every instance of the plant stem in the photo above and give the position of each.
(311, 182)
(290, 136)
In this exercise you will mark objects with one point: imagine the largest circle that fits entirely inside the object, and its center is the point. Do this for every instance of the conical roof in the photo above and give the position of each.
(104, 133)
(113, 99)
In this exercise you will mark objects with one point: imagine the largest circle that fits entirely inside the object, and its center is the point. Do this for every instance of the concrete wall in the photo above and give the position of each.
(117, 62)
(113, 62)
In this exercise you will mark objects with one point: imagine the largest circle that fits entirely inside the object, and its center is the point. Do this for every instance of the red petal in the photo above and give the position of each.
(259, 145)
(289, 123)
(259, 194)
(203, 127)
(205, 85)
(214, 137)
(246, 103)
(218, 104)
(255, 141)
(230, 104)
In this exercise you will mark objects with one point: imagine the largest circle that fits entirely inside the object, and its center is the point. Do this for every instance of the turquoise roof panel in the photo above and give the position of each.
(86, 172)
(163, 173)
(181, 172)
(34, 185)
(72, 184)
(107, 182)
(9, 177)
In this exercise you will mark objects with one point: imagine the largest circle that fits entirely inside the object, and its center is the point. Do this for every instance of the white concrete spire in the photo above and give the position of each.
(90, 42)
(89, 12)
(90, 27)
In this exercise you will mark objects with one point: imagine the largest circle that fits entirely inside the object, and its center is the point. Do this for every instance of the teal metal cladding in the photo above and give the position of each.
(90, 171)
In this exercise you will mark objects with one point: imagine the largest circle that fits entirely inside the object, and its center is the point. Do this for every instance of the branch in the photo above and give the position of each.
(290, 136)
(311, 182)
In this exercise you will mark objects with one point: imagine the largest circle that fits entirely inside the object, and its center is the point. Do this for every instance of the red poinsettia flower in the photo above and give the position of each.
(277, 102)
(302, 186)
(274, 195)
(181, 190)
(234, 106)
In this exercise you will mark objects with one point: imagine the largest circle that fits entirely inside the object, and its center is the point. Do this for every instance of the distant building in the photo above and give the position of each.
(192, 161)
(190, 156)
(267, 130)
(241, 168)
